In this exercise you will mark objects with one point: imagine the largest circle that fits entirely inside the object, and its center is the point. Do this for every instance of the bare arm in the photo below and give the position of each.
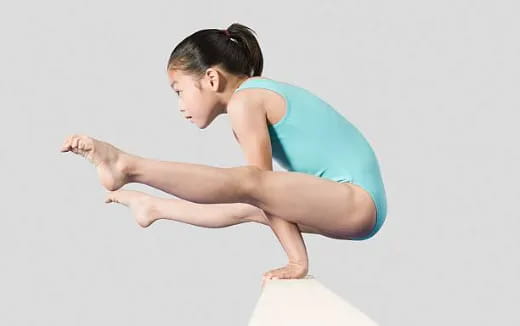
(249, 123)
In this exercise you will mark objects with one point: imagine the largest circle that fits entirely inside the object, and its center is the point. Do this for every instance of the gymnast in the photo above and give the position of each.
(332, 185)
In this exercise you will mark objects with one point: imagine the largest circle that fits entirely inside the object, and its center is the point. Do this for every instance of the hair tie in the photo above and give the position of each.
(229, 35)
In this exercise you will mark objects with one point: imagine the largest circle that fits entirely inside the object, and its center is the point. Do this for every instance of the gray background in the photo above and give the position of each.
(433, 85)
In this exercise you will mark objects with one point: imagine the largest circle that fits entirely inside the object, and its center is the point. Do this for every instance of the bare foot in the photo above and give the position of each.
(141, 204)
(111, 163)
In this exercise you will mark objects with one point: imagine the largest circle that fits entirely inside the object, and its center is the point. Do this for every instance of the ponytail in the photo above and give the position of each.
(235, 48)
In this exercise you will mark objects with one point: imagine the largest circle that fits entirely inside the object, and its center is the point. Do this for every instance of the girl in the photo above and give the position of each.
(333, 185)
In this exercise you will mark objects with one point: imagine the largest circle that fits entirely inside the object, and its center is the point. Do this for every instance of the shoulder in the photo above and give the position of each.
(247, 96)
(247, 113)
(246, 102)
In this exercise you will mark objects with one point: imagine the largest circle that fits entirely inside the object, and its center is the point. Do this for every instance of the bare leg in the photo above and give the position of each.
(190, 181)
(322, 204)
(148, 209)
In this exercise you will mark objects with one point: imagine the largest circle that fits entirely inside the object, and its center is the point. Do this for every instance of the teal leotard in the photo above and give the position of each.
(313, 138)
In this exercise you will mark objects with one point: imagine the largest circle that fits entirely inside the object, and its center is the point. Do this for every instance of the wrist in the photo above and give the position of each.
(299, 262)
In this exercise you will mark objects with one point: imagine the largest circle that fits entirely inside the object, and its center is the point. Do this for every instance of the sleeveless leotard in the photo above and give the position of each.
(313, 138)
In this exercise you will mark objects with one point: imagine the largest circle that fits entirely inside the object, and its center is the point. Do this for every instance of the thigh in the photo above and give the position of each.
(367, 209)
(334, 209)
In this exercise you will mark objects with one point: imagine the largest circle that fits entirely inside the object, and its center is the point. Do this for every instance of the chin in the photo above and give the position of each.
(205, 123)
(196, 124)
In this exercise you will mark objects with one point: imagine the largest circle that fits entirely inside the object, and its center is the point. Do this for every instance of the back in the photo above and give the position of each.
(312, 137)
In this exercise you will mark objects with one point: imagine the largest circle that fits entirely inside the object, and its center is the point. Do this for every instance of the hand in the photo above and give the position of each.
(292, 270)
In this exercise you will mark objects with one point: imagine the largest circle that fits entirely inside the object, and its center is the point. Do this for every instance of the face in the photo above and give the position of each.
(197, 98)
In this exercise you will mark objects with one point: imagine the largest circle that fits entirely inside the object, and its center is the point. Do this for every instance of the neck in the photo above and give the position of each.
(234, 84)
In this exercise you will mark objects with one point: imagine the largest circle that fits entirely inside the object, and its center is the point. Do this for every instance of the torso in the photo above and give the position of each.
(275, 108)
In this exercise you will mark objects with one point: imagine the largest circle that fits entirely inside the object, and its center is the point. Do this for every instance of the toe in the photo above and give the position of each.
(110, 198)
(72, 144)
(118, 196)
(82, 145)
(88, 143)
(85, 143)
(66, 144)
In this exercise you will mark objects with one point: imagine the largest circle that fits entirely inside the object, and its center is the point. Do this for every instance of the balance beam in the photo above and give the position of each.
(304, 302)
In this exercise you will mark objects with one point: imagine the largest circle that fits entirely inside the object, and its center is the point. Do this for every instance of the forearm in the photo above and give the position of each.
(287, 232)
(290, 238)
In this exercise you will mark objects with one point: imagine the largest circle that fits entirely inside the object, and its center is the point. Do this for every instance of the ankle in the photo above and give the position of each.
(155, 210)
(129, 166)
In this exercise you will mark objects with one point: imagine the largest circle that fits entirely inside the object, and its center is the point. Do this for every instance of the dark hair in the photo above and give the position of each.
(235, 48)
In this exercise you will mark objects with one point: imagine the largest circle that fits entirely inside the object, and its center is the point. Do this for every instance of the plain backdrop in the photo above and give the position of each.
(433, 86)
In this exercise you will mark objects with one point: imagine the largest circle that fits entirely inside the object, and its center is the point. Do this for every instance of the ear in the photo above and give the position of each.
(214, 78)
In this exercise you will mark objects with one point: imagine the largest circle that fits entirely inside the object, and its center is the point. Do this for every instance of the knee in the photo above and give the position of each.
(250, 177)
